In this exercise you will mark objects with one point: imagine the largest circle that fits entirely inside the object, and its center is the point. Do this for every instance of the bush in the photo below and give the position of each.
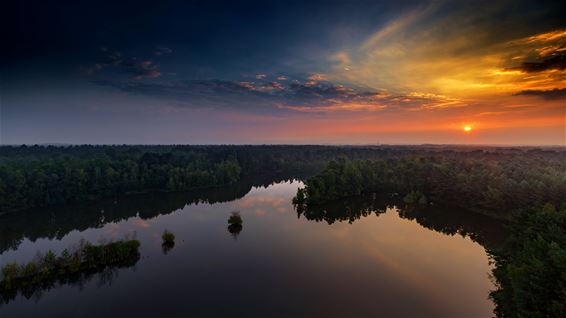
(29, 270)
(49, 259)
(10, 271)
(65, 258)
(168, 237)
(235, 219)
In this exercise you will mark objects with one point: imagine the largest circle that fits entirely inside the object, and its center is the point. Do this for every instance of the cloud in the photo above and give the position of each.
(394, 27)
(551, 50)
(450, 50)
(301, 96)
(318, 77)
(546, 37)
(162, 50)
(147, 69)
(541, 52)
(203, 94)
(556, 62)
(498, 113)
(116, 62)
(542, 57)
(557, 93)
(260, 76)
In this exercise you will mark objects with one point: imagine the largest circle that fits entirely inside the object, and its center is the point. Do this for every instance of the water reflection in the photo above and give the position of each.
(446, 220)
(235, 224)
(105, 276)
(392, 262)
(349, 210)
(56, 222)
(167, 247)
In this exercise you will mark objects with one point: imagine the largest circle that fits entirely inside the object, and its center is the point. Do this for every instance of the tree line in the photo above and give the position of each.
(32, 176)
(35, 176)
(495, 184)
(49, 180)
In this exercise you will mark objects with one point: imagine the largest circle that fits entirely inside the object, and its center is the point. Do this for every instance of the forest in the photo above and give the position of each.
(490, 183)
(530, 269)
(34, 176)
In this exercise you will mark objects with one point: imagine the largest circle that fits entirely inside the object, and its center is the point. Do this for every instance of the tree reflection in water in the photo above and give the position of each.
(57, 221)
(105, 275)
(482, 229)
(167, 247)
(235, 224)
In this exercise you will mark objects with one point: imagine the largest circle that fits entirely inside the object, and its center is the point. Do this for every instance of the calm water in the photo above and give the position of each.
(361, 257)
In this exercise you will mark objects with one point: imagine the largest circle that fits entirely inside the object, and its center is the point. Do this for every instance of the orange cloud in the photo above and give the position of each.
(318, 77)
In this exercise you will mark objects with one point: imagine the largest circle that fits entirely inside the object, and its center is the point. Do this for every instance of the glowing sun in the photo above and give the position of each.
(467, 128)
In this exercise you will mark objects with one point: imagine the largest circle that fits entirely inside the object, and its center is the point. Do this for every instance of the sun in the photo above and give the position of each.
(467, 128)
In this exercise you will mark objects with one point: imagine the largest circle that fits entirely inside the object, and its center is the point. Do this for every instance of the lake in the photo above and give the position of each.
(356, 258)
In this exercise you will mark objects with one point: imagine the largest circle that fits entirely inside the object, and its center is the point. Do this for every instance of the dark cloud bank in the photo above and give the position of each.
(556, 93)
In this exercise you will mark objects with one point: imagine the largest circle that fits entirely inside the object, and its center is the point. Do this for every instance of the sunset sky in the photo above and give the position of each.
(329, 72)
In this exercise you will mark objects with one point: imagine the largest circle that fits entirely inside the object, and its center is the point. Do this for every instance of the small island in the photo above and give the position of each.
(49, 268)
(235, 224)
(168, 241)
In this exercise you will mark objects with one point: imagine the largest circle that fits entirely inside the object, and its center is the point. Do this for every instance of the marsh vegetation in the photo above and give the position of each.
(49, 268)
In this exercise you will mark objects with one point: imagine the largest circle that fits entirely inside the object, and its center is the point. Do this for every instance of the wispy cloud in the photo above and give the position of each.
(318, 77)
(135, 68)
(456, 54)
(393, 28)
(541, 52)
(162, 50)
(305, 96)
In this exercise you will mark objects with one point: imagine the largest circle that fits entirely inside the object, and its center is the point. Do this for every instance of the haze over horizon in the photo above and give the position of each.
(362, 72)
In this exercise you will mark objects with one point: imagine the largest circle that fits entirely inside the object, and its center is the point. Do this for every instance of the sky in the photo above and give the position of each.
(283, 72)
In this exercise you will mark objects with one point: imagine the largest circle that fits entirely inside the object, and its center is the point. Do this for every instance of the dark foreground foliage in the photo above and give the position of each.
(530, 270)
(495, 185)
(49, 269)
